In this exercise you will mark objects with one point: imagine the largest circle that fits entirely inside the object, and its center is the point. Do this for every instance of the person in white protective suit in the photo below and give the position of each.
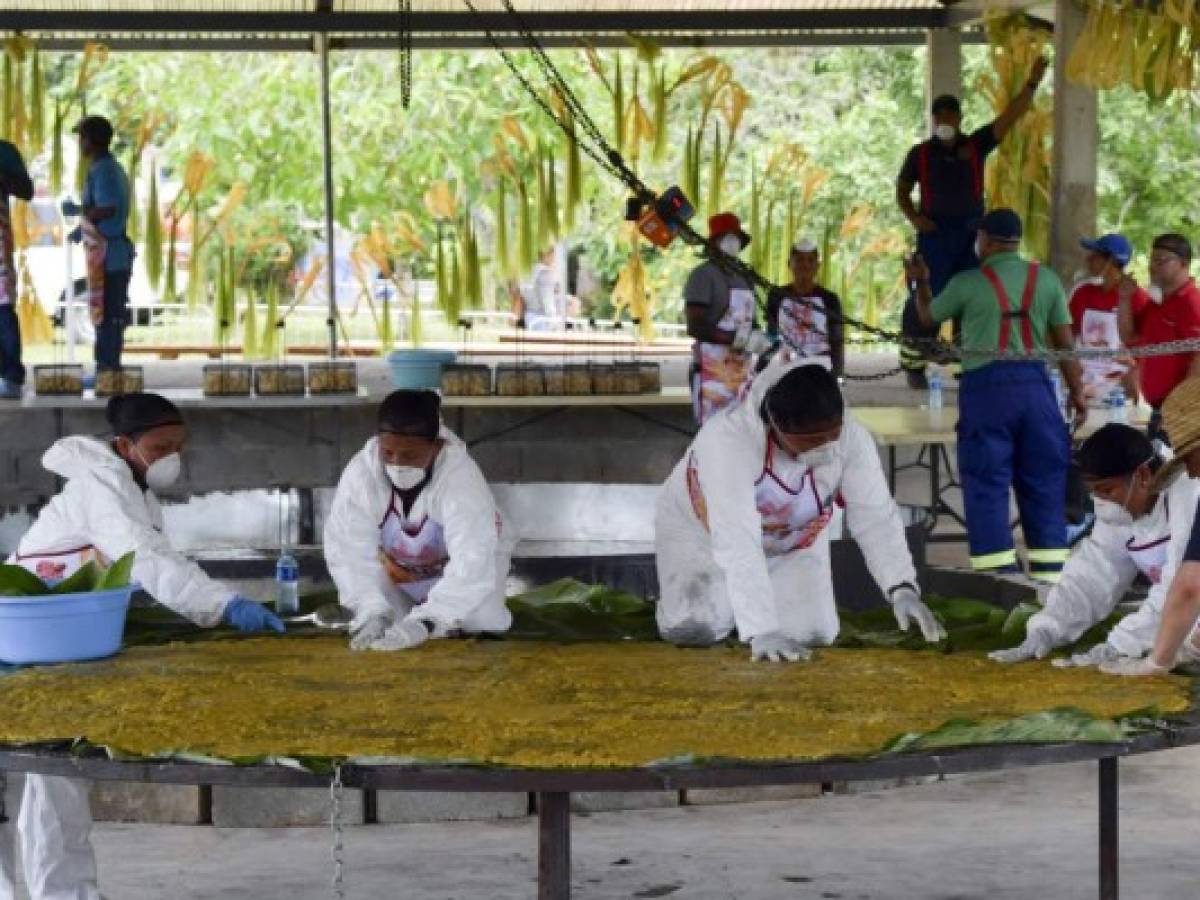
(740, 534)
(107, 509)
(1141, 527)
(414, 541)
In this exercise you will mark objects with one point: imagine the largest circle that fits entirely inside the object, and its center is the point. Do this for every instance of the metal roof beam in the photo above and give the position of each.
(99, 22)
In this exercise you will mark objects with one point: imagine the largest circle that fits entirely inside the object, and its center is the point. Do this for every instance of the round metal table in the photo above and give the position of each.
(553, 787)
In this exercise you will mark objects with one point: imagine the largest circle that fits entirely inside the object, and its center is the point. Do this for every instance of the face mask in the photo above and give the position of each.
(1111, 513)
(162, 473)
(821, 456)
(731, 245)
(1094, 280)
(405, 477)
(1155, 292)
(945, 132)
(978, 249)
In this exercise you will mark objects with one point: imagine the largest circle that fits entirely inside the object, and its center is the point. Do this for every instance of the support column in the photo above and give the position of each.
(943, 65)
(322, 41)
(1076, 139)
(554, 845)
(1110, 858)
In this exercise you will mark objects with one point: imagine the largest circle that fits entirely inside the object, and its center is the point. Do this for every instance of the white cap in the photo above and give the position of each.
(804, 245)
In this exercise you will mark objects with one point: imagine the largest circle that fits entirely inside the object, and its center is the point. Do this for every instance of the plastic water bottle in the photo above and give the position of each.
(936, 400)
(1060, 397)
(287, 585)
(1116, 407)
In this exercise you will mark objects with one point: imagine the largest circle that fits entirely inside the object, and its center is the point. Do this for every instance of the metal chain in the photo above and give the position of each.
(336, 827)
(406, 42)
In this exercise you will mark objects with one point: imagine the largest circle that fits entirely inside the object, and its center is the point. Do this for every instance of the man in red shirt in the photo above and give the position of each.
(1094, 319)
(1173, 315)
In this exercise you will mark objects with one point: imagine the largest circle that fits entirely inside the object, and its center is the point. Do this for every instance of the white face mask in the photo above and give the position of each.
(821, 456)
(162, 473)
(1155, 292)
(945, 132)
(405, 477)
(731, 245)
(1111, 513)
(1094, 280)
(979, 249)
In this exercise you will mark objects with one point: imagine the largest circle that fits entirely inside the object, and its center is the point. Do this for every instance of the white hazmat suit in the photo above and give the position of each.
(454, 533)
(740, 534)
(1103, 567)
(101, 509)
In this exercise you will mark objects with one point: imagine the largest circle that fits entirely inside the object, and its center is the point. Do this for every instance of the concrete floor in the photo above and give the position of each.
(1021, 834)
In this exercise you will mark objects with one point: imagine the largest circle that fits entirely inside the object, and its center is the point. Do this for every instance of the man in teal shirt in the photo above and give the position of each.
(105, 204)
(1011, 433)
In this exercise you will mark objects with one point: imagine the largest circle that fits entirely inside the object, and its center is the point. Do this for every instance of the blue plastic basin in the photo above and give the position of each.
(416, 369)
(63, 628)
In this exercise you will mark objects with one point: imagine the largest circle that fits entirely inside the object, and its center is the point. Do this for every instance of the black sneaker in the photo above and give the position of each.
(917, 380)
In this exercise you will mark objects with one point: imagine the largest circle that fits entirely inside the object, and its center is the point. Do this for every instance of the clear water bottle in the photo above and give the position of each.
(1060, 395)
(1117, 411)
(287, 585)
(936, 399)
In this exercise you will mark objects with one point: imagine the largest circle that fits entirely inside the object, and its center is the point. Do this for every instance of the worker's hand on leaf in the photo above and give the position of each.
(916, 270)
(1127, 665)
(908, 608)
(1037, 645)
(251, 617)
(404, 635)
(1098, 655)
(775, 646)
(369, 630)
(924, 224)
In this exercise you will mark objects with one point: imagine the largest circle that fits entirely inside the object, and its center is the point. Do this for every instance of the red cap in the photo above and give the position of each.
(726, 223)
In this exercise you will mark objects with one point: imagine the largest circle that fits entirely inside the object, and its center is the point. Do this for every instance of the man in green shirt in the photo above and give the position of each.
(1011, 433)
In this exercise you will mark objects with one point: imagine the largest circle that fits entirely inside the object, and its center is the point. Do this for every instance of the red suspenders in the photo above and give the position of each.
(923, 173)
(1006, 310)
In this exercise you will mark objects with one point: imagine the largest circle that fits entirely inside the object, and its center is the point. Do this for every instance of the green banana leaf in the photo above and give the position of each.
(1047, 727)
(18, 582)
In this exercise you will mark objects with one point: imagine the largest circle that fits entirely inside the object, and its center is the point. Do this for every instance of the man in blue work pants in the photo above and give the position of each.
(1011, 433)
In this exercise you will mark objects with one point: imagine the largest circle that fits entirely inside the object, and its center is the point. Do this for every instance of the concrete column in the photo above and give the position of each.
(943, 64)
(1076, 138)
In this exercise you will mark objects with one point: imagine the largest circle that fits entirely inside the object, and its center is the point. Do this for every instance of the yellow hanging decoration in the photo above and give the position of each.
(36, 327)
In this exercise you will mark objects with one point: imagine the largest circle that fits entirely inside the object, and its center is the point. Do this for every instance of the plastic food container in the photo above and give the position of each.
(650, 377)
(578, 378)
(279, 381)
(227, 380)
(416, 369)
(604, 380)
(63, 628)
(466, 380)
(58, 380)
(555, 380)
(629, 377)
(520, 381)
(126, 380)
(332, 378)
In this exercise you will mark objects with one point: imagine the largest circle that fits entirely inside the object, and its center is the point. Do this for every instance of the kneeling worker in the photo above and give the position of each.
(740, 532)
(1141, 527)
(414, 540)
(108, 509)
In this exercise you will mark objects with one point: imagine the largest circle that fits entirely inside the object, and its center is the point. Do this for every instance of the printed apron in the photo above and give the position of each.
(95, 248)
(1099, 330)
(804, 328)
(60, 564)
(417, 547)
(721, 371)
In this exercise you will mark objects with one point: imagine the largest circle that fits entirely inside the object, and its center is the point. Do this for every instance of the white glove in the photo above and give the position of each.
(776, 647)
(907, 605)
(1127, 665)
(369, 631)
(1037, 645)
(1098, 655)
(404, 635)
(758, 343)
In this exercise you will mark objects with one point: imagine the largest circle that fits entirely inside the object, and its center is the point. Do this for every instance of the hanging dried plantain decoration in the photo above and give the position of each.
(406, 41)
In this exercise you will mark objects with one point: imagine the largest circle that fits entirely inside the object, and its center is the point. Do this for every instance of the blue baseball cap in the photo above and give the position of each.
(1001, 224)
(1115, 246)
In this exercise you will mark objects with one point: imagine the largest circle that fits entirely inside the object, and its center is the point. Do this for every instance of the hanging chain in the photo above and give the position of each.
(406, 54)
(337, 829)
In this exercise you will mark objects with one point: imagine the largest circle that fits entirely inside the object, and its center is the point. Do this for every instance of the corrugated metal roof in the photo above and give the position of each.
(452, 6)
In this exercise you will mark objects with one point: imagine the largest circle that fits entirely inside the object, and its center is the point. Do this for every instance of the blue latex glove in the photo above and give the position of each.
(71, 208)
(249, 616)
(75, 235)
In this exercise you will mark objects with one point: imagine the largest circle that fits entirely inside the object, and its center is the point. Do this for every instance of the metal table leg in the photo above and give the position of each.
(1110, 862)
(892, 470)
(554, 845)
